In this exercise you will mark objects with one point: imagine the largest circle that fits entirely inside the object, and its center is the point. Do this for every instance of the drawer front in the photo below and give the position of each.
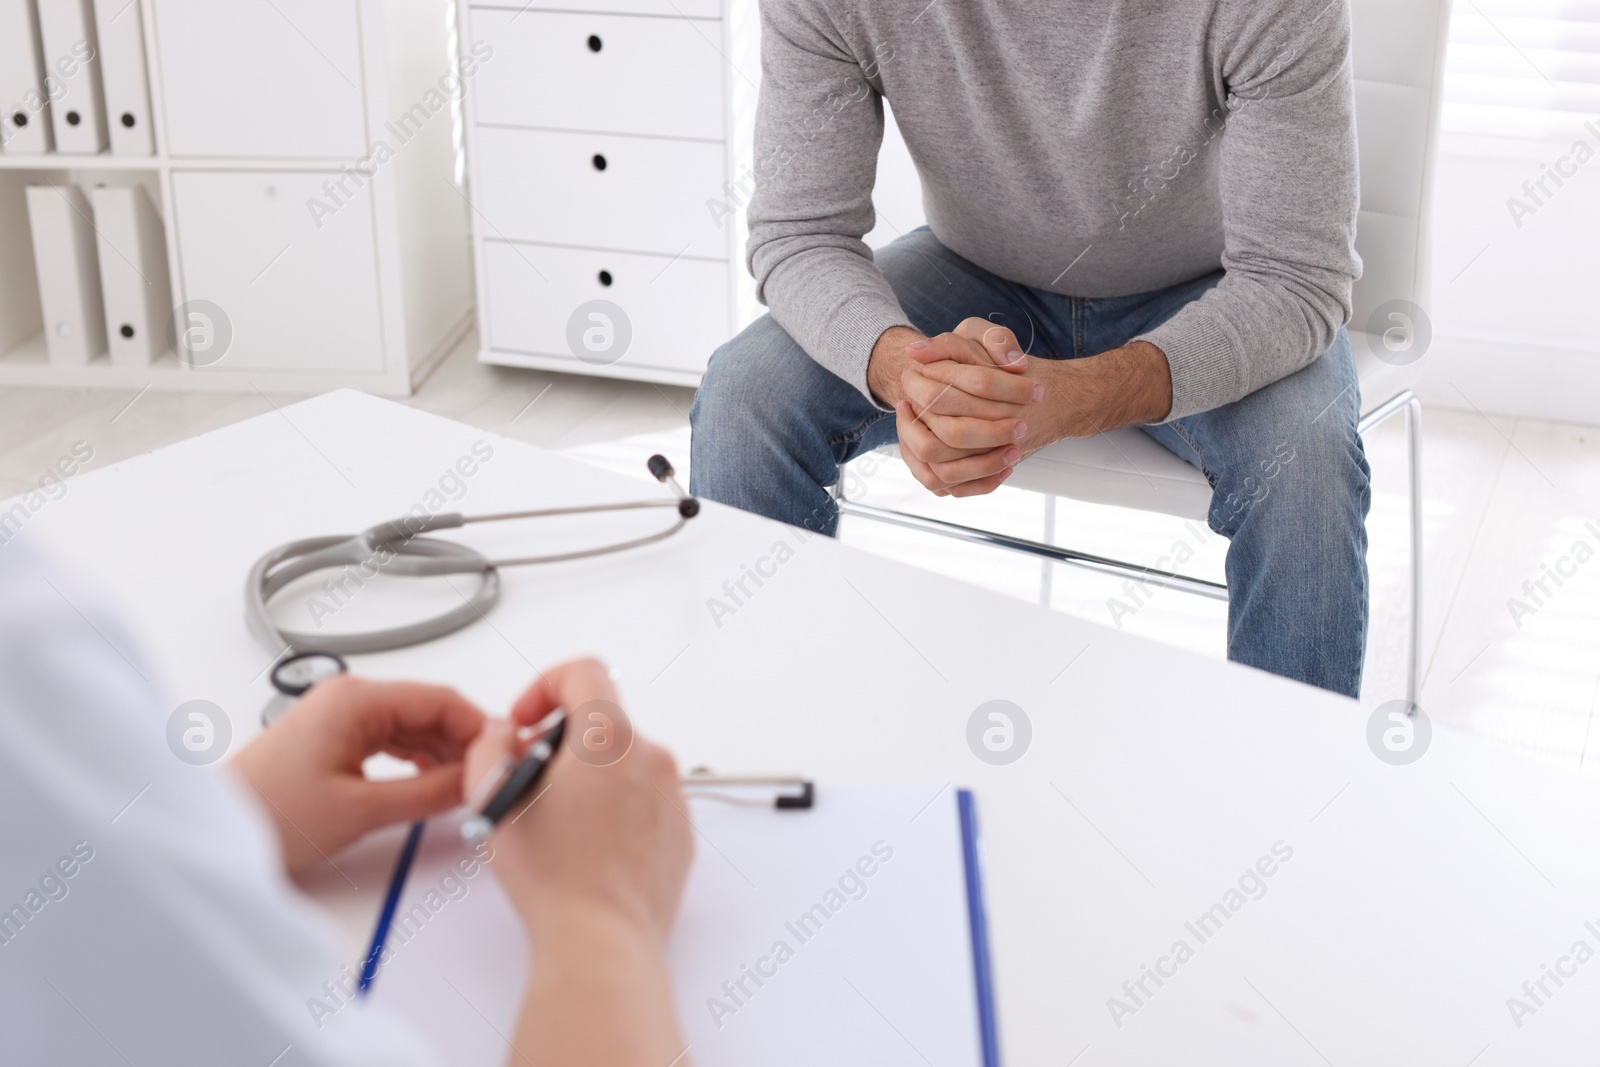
(656, 311)
(598, 191)
(692, 9)
(299, 294)
(611, 73)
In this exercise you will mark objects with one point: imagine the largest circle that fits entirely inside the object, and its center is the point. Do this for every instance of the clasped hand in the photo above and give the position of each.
(967, 400)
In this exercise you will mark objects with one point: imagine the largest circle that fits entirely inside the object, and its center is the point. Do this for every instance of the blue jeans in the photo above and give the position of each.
(1289, 477)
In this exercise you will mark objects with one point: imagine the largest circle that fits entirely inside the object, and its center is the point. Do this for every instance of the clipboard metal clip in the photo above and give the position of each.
(785, 792)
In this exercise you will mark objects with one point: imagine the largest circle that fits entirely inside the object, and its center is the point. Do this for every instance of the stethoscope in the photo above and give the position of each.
(293, 676)
(397, 548)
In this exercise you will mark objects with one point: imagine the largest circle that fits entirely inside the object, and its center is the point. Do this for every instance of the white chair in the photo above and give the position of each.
(1399, 63)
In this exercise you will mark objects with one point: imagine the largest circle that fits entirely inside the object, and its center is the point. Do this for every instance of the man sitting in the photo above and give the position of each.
(1138, 216)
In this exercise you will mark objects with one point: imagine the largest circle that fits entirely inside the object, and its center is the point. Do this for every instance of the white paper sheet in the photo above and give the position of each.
(836, 935)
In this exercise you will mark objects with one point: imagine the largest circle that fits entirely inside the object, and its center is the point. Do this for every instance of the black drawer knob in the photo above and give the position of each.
(20, 118)
(605, 277)
(599, 161)
(73, 118)
(595, 44)
(128, 120)
(126, 331)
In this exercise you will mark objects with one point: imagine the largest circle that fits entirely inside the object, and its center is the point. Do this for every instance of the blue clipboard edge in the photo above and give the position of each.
(978, 920)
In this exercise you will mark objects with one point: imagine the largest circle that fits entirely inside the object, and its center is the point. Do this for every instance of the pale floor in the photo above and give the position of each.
(1506, 502)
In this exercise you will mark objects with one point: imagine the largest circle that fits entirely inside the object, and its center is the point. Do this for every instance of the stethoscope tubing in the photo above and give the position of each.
(410, 555)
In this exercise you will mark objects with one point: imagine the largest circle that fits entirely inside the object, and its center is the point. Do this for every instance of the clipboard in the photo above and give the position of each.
(850, 931)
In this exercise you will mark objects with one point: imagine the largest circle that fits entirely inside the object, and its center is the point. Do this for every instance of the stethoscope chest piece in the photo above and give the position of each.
(294, 675)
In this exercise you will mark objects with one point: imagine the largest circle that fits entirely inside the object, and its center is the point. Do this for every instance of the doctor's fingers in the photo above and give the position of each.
(433, 790)
(372, 714)
(569, 685)
(427, 750)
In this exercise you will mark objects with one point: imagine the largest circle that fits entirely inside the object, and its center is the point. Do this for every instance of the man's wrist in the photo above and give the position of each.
(1149, 378)
(1127, 386)
(887, 362)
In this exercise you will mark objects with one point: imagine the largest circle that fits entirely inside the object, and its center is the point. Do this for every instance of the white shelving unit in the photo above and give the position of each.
(261, 113)
(606, 141)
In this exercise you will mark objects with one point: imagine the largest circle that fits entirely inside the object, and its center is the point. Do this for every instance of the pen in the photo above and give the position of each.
(397, 882)
(519, 781)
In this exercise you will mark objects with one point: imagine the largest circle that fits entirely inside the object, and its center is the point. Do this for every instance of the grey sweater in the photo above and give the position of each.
(1090, 147)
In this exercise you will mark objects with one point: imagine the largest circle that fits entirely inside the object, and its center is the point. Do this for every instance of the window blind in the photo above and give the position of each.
(1522, 69)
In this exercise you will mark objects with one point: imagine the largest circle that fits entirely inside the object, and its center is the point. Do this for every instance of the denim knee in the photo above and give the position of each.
(740, 394)
(1315, 476)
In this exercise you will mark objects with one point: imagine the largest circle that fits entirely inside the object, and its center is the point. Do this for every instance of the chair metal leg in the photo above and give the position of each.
(1407, 402)
(1047, 569)
(1101, 564)
(1414, 447)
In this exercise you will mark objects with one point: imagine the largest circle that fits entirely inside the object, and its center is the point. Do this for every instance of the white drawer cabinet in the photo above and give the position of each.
(674, 310)
(631, 193)
(563, 71)
(599, 140)
(262, 79)
(296, 292)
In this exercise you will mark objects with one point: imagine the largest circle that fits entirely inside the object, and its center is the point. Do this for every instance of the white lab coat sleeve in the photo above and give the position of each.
(144, 913)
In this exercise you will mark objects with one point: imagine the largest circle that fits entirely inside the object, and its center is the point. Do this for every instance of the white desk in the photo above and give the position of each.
(1418, 898)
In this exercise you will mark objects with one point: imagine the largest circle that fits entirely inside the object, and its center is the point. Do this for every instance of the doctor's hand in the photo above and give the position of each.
(595, 864)
(962, 415)
(306, 768)
(603, 836)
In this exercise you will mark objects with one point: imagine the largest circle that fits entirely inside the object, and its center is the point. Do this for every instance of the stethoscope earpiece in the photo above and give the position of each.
(688, 506)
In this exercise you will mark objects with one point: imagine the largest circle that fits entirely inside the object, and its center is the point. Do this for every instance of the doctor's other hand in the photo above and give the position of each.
(306, 768)
(608, 844)
(595, 864)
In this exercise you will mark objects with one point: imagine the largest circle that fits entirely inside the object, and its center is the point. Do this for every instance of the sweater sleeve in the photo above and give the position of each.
(1289, 199)
(819, 123)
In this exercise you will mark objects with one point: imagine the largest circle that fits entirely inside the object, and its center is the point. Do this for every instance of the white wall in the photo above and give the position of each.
(1516, 308)
(897, 198)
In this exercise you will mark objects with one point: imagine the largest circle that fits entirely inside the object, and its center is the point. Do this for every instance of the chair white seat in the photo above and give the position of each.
(1125, 468)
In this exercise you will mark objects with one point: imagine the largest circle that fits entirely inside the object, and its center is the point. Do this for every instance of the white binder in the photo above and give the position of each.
(69, 277)
(120, 29)
(24, 108)
(72, 76)
(19, 284)
(133, 274)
